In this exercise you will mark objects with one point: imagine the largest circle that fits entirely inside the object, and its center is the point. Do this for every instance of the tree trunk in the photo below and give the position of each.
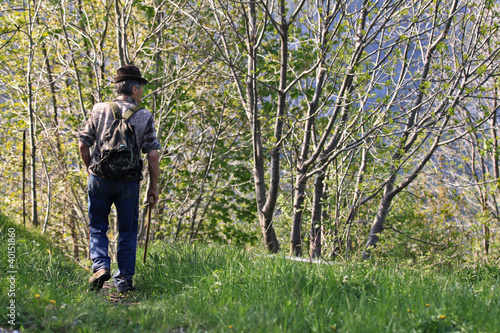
(74, 235)
(31, 113)
(24, 178)
(378, 221)
(300, 195)
(265, 216)
(121, 34)
(265, 208)
(487, 234)
(304, 164)
(317, 215)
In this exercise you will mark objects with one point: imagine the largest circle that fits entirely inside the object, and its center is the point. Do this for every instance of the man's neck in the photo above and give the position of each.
(125, 98)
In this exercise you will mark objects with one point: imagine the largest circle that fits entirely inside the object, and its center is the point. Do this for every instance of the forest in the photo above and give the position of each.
(325, 129)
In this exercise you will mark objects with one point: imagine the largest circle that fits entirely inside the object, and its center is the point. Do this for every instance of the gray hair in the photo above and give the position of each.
(125, 87)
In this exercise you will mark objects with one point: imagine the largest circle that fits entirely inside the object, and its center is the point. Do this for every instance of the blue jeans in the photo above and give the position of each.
(102, 193)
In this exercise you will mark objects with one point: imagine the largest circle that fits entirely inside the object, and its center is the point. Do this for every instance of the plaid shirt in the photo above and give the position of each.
(101, 119)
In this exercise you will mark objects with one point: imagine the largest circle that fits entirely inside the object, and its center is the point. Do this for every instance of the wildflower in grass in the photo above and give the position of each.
(442, 316)
(427, 305)
(230, 326)
(37, 295)
(52, 301)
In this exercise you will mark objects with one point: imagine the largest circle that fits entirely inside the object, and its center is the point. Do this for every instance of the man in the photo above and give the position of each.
(123, 193)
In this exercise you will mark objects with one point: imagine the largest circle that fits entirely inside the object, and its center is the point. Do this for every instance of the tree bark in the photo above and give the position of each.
(265, 208)
(121, 36)
(317, 215)
(31, 113)
(24, 177)
(378, 221)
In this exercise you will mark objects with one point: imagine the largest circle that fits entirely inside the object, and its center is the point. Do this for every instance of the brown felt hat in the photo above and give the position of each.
(129, 72)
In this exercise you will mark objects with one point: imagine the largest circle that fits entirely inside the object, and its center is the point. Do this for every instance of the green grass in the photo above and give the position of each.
(187, 288)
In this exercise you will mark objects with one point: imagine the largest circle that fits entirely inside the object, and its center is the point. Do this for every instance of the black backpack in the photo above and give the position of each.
(120, 156)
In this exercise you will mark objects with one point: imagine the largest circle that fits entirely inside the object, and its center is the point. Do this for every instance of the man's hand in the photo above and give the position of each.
(153, 196)
(85, 154)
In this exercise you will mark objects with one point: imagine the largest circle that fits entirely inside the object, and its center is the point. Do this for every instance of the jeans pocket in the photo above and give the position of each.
(93, 184)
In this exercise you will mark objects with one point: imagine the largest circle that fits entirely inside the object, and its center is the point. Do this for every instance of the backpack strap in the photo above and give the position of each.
(117, 112)
(129, 113)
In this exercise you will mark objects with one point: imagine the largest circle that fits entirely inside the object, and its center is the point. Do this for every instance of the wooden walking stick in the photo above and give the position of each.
(150, 204)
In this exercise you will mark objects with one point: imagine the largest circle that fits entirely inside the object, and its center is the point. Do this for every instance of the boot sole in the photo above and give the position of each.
(97, 282)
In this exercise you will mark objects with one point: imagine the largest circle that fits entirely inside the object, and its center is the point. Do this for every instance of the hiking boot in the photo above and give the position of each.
(97, 280)
(125, 286)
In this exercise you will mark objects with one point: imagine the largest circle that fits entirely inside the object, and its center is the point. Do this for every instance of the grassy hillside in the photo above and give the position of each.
(187, 288)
